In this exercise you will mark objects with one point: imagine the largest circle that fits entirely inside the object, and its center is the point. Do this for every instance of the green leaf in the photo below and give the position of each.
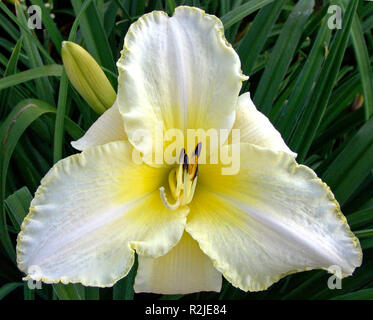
(69, 291)
(255, 38)
(43, 86)
(282, 56)
(368, 233)
(123, 289)
(22, 23)
(242, 11)
(60, 118)
(31, 74)
(365, 294)
(310, 120)
(92, 293)
(49, 24)
(64, 85)
(363, 62)
(95, 37)
(342, 126)
(303, 87)
(9, 28)
(343, 96)
(8, 288)
(28, 294)
(352, 165)
(171, 5)
(11, 68)
(362, 276)
(18, 205)
(360, 218)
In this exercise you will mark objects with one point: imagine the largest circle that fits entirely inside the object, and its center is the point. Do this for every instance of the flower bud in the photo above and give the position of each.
(87, 77)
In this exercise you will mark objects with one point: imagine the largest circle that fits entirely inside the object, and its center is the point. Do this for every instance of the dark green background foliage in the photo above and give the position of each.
(315, 84)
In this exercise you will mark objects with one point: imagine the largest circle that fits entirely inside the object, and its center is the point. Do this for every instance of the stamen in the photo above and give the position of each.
(186, 162)
(168, 205)
(191, 192)
(181, 157)
(193, 167)
(182, 180)
(171, 182)
(186, 183)
(179, 180)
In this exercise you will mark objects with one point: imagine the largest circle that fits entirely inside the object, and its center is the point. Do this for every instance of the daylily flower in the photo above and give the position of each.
(94, 209)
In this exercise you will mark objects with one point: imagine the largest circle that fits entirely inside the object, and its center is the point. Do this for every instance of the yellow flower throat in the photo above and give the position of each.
(182, 180)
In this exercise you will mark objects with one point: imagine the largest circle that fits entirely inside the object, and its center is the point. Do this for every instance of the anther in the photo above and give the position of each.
(186, 162)
(197, 151)
(182, 155)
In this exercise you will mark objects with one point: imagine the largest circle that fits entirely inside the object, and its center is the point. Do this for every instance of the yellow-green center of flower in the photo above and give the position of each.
(182, 180)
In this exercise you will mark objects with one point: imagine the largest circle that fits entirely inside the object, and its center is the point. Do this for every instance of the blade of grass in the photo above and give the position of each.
(49, 24)
(282, 56)
(343, 97)
(8, 288)
(292, 110)
(11, 68)
(368, 233)
(31, 74)
(95, 37)
(18, 204)
(363, 62)
(170, 6)
(9, 28)
(365, 294)
(310, 120)
(43, 86)
(352, 165)
(360, 218)
(123, 289)
(26, 32)
(110, 16)
(69, 292)
(62, 93)
(242, 11)
(361, 277)
(60, 118)
(28, 294)
(92, 293)
(343, 125)
(255, 38)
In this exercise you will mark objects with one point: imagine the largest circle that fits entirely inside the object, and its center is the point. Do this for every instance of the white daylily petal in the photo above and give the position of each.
(185, 269)
(255, 127)
(178, 72)
(107, 128)
(90, 213)
(273, 218)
